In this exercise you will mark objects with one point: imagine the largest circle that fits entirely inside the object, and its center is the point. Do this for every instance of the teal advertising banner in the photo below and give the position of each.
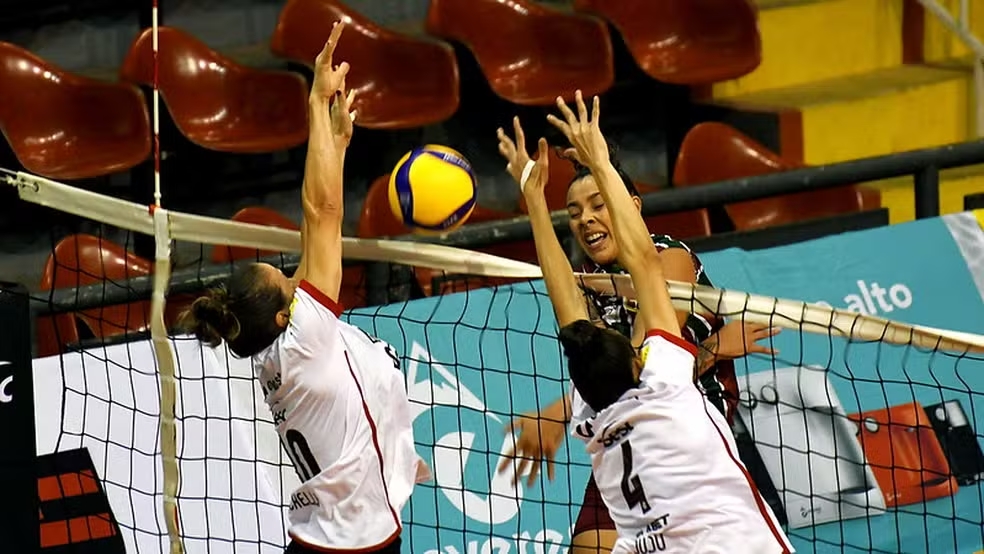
(477, 359)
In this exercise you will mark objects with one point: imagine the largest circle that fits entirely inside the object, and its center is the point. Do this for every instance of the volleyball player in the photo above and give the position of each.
(337, 395)
(662, 455)
(540, 435)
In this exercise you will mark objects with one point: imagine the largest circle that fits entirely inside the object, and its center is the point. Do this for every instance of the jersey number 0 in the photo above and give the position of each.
(632, 489)
(300, 453)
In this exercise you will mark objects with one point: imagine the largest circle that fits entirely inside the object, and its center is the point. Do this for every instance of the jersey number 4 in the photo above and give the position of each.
(300, 453)
(632, 489)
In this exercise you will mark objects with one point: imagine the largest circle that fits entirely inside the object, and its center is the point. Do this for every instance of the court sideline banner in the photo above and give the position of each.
(475, 360)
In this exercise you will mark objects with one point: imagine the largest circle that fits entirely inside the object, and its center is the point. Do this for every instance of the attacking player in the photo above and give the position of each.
(336, 394)
(663, 456)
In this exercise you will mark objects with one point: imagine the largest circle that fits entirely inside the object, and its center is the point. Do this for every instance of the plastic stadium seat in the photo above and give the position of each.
(65, 126)
(80, 260)
(257, 215)
(685, 42)
(529, 54)
(400, 82)
(905, 454)
(714, 152)
(217, 103)
(352, 293)
(679, 225)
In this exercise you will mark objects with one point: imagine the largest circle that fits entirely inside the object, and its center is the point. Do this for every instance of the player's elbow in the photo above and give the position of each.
(323, 206)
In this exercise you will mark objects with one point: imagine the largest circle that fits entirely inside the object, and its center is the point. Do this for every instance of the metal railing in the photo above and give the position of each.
(960, 26)
(924, 165)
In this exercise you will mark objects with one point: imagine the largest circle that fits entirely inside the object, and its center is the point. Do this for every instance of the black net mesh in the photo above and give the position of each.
(856, 445)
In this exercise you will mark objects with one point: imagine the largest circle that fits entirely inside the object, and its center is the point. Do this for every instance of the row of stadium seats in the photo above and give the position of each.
(711, 152)
(65, 126)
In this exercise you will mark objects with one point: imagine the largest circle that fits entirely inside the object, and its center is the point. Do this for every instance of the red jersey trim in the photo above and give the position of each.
(389, 540)
(759, 501)
(673, 339)
(321, 297)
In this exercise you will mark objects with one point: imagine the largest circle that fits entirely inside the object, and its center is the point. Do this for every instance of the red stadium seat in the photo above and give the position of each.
(714, 152)
(400, 81)
(257, 215)
(352, 293)
(529, 54)
(217, 103)
(685, 42)
(80, 260)
(905, 455)
(680, 225)
(65, 126)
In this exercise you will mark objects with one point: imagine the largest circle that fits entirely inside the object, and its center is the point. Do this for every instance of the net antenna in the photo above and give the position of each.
(163, 350)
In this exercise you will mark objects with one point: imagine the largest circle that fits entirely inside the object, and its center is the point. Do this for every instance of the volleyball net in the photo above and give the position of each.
(862, 433)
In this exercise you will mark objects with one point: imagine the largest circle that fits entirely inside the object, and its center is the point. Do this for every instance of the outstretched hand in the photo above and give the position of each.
(538, 441)
(329, 87)
(517, 159)
(583, 132)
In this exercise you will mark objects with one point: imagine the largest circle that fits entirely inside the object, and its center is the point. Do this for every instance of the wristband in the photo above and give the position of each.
(526, 174)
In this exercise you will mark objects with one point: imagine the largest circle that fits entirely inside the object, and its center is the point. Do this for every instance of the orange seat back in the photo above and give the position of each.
(80, 260)
(257, 215)
(713, 152)
(216, 102)
(66, 126)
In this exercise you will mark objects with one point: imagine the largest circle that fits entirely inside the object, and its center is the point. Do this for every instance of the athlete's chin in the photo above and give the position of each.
(602, 254)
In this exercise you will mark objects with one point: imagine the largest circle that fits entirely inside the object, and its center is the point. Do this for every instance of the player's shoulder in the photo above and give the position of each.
(658, 341)
(307, 297)
(665, 242)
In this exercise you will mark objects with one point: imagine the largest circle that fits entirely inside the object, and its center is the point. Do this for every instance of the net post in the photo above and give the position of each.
(19, 521)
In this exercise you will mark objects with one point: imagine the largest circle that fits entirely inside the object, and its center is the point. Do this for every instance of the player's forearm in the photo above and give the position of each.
(321, 191)
(557, 272)
(630, 232)
(707, 354)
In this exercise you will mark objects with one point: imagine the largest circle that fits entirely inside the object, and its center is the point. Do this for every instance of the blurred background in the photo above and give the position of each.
(693, 91)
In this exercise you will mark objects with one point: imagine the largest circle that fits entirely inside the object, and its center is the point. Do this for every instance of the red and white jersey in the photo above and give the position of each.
(667, 465)
(339, 402)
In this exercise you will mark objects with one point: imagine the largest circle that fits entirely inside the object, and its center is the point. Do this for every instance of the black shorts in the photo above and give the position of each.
(297, 548)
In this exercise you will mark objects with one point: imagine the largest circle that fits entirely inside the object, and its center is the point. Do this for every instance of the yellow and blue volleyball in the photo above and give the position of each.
(432, 189)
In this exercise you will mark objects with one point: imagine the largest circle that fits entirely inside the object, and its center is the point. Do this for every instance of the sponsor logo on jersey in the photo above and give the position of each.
(651, 539)
(610, 439)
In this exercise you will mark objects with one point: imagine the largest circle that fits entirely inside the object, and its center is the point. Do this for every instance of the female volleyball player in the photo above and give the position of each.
(540, 435)
(337, 395)
(663, 457)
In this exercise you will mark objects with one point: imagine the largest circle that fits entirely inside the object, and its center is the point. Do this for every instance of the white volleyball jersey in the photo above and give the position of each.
(667, 465)
(339, 403)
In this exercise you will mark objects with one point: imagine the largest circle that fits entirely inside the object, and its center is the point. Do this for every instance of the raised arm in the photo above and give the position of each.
(636, 252)
(330, 130)
(566, 297)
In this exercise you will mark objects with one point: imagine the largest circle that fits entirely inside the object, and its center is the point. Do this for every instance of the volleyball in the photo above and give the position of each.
(432, 189)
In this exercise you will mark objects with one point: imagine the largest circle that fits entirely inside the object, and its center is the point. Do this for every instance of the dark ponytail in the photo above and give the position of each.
(601, 362)
(243, 313)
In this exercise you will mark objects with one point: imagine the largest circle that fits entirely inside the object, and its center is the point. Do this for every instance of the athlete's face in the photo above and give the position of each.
(590, 221)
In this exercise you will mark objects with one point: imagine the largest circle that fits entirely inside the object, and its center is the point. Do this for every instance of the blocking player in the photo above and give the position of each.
(336, 394)
(541, 434)
(663, 457)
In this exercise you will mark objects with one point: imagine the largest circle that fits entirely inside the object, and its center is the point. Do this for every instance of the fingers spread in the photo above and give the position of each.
(595, 110)
(566, 112)
(582, 110)
(561, 125)
(520, 136)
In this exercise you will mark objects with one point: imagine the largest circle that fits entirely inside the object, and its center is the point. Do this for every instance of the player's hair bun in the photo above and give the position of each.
(210, 318)
(578, 337)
